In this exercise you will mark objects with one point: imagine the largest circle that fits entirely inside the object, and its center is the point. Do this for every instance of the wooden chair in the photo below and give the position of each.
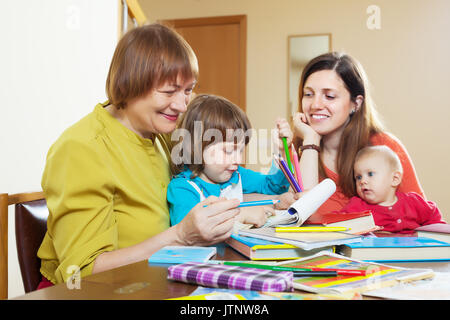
(31, 224)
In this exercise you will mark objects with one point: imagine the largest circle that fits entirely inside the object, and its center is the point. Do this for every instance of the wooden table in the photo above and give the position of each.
(141, 281)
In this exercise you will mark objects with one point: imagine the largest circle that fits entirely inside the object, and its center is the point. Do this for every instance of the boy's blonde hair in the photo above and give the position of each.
(390, 156)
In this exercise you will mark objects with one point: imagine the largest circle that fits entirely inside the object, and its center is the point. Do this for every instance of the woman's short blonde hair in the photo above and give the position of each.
(145, 58)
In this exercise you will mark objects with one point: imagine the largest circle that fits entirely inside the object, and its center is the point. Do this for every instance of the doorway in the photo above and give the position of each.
(220, 44)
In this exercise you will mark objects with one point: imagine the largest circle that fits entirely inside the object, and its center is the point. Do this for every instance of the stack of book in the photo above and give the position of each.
(437, 231)
(267, 243)
(260, 249)
(304, 240)
(429, 243)
(397, 249)
(356, 222)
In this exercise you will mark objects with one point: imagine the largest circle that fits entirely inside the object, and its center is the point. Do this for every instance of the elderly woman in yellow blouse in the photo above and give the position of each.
(106, 177)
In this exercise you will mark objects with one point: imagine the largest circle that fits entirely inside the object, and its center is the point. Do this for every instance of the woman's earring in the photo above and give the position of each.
(352, 112)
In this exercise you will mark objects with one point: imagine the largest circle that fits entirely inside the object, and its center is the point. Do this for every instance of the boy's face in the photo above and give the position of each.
(221, 161)
(376, 181)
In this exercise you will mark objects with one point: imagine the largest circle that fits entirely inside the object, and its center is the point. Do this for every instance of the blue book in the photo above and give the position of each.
(182, 254)
(261, 249)
(400, 249)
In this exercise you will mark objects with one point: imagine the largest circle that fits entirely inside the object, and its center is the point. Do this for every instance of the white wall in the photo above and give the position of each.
(54, 60)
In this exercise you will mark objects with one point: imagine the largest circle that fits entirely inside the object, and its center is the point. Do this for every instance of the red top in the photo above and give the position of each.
(409, 212)
(410, 182)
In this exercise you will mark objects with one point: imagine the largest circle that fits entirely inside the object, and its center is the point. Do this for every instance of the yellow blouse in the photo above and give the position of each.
(105, 188)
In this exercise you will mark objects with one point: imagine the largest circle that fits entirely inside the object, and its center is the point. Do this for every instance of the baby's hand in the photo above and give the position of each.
(287, 199)
(256, 216)
(284, 131)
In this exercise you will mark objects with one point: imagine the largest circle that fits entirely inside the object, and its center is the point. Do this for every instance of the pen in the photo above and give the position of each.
(310, 229)
(254, 203)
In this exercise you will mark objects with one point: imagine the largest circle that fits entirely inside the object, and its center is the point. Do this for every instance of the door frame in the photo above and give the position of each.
(220, 20)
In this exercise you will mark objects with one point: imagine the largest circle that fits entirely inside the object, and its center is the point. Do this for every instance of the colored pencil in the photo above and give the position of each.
(294, 172)
(297, 167)
(288, 158)
(254, 203)
(344, 272)
(257, 203)
(284, 171)
(290, 177)
(319, 271)
(310, 229)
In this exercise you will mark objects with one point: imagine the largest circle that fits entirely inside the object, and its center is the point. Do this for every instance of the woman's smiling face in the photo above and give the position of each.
(158, 111)
(326, 102)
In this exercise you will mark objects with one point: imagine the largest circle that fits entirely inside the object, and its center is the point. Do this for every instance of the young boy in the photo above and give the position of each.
(217, 172)
(378, 172)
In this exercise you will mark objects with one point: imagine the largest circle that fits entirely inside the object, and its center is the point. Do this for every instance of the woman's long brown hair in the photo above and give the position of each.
(363, 123)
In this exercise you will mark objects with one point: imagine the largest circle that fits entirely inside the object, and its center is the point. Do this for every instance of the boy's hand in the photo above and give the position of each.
(287, 199)
(256, 216)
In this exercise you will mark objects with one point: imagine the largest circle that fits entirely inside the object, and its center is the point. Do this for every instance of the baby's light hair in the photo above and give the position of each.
(390, 156)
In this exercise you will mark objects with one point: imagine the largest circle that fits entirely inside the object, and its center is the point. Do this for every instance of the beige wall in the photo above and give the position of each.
(407, 61)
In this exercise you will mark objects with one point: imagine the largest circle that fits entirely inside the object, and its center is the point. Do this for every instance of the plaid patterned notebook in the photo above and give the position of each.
(232, 277)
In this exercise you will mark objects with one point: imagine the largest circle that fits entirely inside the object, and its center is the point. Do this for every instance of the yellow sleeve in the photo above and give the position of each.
(79, 191)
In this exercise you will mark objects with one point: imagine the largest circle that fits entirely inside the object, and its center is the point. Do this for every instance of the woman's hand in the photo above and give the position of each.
(304, 131)
(205, 226)
(287, 199)
(256, 216)
(284, 131)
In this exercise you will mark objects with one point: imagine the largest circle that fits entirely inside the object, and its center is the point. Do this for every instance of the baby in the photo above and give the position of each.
(378, 172)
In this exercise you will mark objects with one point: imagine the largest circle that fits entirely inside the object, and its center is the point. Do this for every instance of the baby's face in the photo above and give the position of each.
(374, 179)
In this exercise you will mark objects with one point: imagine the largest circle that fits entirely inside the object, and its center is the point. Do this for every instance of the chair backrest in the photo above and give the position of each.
(31, 224)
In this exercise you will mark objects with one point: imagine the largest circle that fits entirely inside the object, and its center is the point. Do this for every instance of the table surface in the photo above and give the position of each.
(142, 281)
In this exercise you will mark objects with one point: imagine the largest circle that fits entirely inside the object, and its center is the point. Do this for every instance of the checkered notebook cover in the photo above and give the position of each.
(232, 277)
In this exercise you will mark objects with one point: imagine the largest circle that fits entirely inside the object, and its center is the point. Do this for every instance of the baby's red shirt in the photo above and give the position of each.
(410, 182)
(409, 212)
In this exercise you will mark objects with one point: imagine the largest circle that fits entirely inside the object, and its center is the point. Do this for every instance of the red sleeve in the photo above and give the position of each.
(354, 205)
(427, 211)
(410, 181)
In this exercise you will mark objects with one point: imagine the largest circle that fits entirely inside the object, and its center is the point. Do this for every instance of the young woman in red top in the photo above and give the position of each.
(336, 119)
